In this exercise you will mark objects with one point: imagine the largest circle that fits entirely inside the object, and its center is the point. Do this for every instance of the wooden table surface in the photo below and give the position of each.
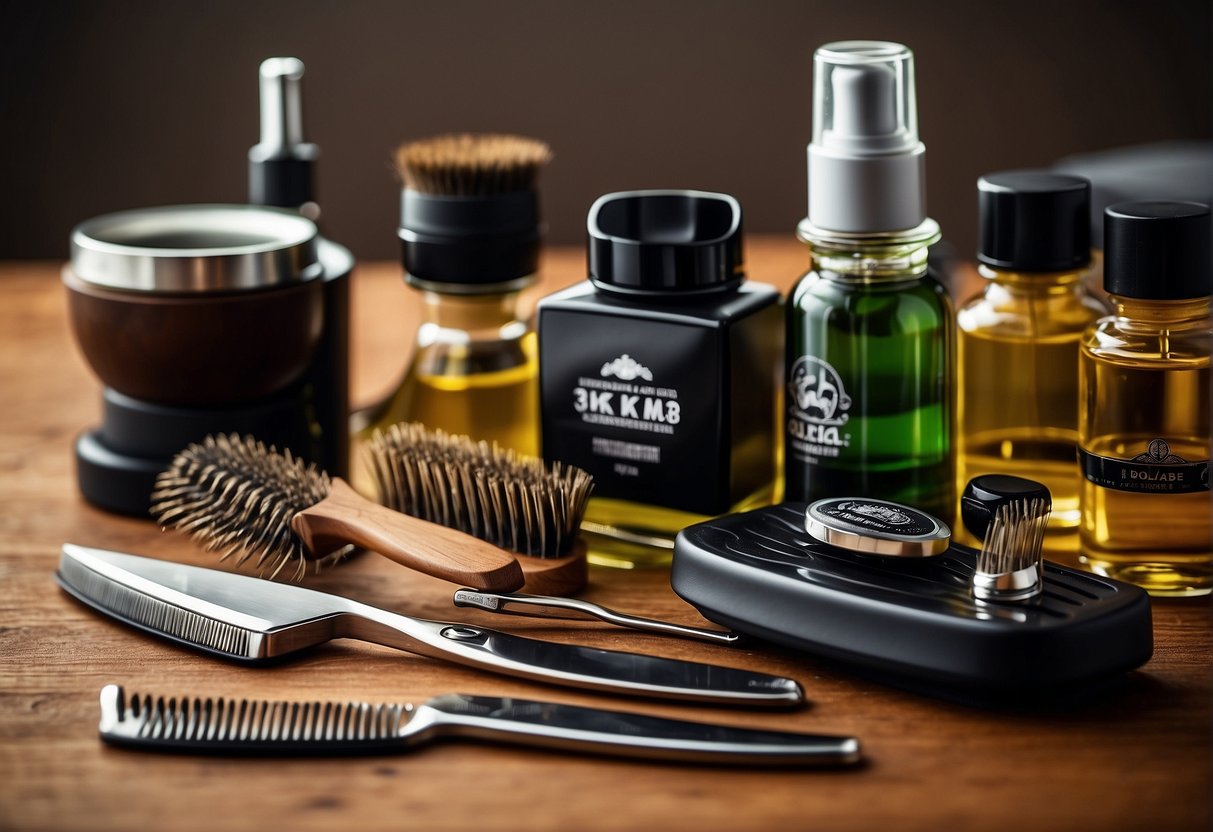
(1136, 758)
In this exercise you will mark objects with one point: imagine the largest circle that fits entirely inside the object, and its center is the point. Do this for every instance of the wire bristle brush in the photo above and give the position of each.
(238, 497)
(1009, 566)
(517, 503)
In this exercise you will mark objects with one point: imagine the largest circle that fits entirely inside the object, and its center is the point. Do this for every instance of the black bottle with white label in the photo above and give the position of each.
(657, 375)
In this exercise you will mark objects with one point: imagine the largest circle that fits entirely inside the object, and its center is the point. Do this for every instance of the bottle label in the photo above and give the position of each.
(877, 516)
(666, 408)
(618, 396)
(1154, 471)
(817, 411)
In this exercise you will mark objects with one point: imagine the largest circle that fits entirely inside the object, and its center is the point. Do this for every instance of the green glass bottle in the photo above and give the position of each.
(870, 332)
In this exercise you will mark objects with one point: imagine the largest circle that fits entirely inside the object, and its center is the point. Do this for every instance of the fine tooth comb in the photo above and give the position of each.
(260, 727)
(251, 619)
(236, 496)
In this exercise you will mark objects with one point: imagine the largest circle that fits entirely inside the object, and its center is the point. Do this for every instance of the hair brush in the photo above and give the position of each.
(237, 496)
(518, 503)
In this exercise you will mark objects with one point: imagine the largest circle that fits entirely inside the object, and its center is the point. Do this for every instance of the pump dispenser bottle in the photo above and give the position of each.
(1017, 376)
(1143, 418)
(869, 331)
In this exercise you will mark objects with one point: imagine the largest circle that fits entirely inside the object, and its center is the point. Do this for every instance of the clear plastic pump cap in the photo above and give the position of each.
(863, 99)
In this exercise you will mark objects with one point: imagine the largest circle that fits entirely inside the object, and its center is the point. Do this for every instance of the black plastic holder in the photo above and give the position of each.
(912, 622)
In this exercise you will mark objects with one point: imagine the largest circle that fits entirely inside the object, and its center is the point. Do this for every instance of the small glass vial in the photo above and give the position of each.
(1017, 344)
(870, 332)
(1143, 419)
(658, 374)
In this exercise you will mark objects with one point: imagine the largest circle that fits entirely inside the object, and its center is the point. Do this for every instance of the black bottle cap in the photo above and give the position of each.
(985, 494)
(1158, 250)
(1034, 221)
(282, 181)
(466, 243)
(665, 241)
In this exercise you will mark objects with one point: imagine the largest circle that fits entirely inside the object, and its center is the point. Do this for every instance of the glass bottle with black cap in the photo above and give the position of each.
(1017, 344)
(1143, 410)
(657, 375)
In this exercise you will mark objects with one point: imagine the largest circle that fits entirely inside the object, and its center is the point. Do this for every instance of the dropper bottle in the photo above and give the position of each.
(869, 330)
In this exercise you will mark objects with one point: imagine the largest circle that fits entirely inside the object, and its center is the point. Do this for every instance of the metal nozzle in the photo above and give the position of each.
(280, 165)
(281, 111)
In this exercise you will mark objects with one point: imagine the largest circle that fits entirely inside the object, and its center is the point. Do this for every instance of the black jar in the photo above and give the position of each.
(658, 374)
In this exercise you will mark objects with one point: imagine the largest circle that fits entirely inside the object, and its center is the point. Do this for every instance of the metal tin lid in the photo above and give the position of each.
(877, 527)
(196, 248)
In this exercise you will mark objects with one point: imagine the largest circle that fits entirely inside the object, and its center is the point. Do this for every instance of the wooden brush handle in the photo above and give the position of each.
(345, 516)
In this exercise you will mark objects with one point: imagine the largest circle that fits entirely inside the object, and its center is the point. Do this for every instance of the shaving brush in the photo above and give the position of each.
(470, 232)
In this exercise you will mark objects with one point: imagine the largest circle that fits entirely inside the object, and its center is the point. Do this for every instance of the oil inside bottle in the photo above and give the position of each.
(1018, 402)
(473, 372)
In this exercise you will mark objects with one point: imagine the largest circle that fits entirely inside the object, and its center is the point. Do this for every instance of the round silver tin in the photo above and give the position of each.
(877, 527)
(196, 249)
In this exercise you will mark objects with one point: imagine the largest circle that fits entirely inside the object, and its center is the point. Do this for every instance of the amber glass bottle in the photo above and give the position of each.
(1017, 369)
(470, 228)
(473, 372)
(1144, 403)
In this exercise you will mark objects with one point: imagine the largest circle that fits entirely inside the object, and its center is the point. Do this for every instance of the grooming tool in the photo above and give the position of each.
(543, 606)
(876, 527)
(1010, 515)
(251, 619)
(259, 727)
(233, 494)
(518, 503)
(910, 621)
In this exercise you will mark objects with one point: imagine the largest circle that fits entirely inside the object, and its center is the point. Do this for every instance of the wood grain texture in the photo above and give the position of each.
(345, 516)
(1137, 757)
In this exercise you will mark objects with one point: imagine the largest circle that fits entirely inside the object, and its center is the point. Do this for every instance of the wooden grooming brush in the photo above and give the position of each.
(238, 497)
(520, 504)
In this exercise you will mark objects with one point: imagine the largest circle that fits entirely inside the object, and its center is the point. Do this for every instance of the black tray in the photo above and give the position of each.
(911, 621)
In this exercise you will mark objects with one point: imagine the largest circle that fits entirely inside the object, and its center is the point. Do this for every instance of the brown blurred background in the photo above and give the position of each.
(125, 103)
